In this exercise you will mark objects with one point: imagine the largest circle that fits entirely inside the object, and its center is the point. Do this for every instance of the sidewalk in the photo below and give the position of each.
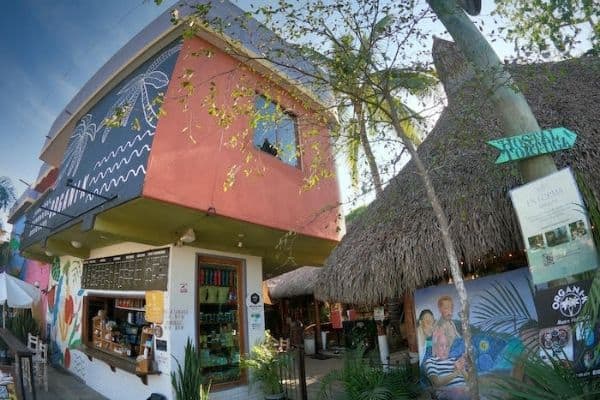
(65, 386)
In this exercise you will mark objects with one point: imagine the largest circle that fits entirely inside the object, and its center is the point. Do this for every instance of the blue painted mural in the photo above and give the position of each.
(108, 149)
(503, 323)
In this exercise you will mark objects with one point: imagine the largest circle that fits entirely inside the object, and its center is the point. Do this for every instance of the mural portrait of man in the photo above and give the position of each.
(447, 374)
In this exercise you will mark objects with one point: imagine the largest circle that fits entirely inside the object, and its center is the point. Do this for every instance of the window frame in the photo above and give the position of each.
(293, 117)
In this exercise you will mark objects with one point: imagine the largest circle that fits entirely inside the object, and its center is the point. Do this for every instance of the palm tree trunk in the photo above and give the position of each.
(509, 102)
(366, 145)
(440, 215)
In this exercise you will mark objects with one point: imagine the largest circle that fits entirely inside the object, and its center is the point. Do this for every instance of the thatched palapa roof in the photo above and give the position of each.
(299, 282)
(395, 245)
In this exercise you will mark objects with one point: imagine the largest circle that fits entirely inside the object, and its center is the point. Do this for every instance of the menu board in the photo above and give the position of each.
(147, 270)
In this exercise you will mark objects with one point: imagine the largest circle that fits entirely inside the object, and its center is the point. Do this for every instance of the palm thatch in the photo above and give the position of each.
(299, 282)
(395, 246)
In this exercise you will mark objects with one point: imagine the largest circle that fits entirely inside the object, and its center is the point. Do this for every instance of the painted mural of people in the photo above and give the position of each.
(425, 323)
(447, 374)
(445, 323)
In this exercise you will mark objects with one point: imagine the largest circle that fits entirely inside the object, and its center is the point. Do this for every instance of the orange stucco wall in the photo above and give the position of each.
(192, 152)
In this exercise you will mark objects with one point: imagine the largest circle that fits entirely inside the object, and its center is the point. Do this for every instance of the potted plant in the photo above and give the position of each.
(186, 380)
(264, 363)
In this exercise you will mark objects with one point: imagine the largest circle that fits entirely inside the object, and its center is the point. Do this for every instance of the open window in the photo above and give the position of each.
(276, 131)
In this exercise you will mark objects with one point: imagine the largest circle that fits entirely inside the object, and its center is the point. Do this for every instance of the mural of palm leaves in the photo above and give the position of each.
(501, 308)
(138, 88)
(85, 130)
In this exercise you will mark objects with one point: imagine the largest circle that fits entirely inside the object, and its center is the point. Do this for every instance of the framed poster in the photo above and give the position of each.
(555, 227)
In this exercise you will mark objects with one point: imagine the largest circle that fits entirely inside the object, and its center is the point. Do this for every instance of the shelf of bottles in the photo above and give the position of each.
(218, 320)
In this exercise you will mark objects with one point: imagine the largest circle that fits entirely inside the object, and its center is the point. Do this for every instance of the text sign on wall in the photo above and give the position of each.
(533, 144)
(147, 270)
(555, 227)
(155, 306)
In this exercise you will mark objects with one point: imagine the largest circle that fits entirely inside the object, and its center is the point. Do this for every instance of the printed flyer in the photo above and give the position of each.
(555, 227)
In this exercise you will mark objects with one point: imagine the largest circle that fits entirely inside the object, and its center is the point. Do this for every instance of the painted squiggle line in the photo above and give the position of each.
(125, 160)
(122, 148)
(121, 179)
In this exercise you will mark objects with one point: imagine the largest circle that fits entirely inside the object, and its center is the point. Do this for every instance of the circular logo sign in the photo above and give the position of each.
(569, 301)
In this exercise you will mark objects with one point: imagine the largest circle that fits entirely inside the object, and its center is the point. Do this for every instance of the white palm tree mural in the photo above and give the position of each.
(138, 87)
(85, 130)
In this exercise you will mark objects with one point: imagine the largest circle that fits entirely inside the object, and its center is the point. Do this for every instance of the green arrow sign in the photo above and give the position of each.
(533, 144)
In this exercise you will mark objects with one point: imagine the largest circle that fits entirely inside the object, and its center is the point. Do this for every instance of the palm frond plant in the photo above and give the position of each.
(543, 380)
(359, 379)
(186, 380)
(23, 323)
(265, 365)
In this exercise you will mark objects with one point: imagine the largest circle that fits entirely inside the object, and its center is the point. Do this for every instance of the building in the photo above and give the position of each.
(181, 167)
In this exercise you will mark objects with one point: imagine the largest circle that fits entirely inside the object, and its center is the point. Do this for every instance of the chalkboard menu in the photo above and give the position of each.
(136, 271)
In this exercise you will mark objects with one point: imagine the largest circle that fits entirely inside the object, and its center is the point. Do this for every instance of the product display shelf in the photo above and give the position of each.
(106, 339)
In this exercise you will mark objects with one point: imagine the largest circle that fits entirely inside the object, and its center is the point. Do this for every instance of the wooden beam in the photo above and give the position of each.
(410, 321)
(317, 325)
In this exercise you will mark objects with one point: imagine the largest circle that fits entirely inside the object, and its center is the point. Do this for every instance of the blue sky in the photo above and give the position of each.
(48, 50)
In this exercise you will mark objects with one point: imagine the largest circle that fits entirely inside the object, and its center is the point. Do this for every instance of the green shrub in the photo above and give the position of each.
(265, 363)
(21, 324)
(186, 380)
(360, 380)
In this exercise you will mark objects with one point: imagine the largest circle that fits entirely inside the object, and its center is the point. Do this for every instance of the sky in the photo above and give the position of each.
(48, 50)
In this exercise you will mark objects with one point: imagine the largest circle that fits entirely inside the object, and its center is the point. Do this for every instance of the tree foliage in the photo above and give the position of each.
(541, 27)
(7, 193)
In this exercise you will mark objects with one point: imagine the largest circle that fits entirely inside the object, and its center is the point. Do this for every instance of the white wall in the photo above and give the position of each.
(183, 270)
(179, 303)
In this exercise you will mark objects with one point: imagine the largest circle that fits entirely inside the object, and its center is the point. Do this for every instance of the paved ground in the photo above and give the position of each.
(316, 370)
(65, 386)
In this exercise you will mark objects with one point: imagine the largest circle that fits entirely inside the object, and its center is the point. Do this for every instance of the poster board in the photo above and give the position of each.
(155, 306)
(555, 227)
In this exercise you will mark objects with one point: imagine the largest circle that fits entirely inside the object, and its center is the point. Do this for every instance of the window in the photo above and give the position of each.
(275, 131)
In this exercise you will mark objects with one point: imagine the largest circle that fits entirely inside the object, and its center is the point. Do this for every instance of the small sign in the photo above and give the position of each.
(533, 144)
(155, 306)
(183, 287)
(378, 314)
(254, 298)
(161, 345)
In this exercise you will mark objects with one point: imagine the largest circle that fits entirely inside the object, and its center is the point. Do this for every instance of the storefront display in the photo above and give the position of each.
(117, 327)
(219, 316)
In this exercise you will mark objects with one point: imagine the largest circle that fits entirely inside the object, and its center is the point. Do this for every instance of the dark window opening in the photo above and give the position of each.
(275, 131)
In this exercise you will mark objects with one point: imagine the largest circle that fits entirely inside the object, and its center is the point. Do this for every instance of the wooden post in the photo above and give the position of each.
(410, 322)
(317, 326)
(302, 378)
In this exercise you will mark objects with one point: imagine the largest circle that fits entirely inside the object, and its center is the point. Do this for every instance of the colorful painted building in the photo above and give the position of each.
(30, 270)
(182, 173)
